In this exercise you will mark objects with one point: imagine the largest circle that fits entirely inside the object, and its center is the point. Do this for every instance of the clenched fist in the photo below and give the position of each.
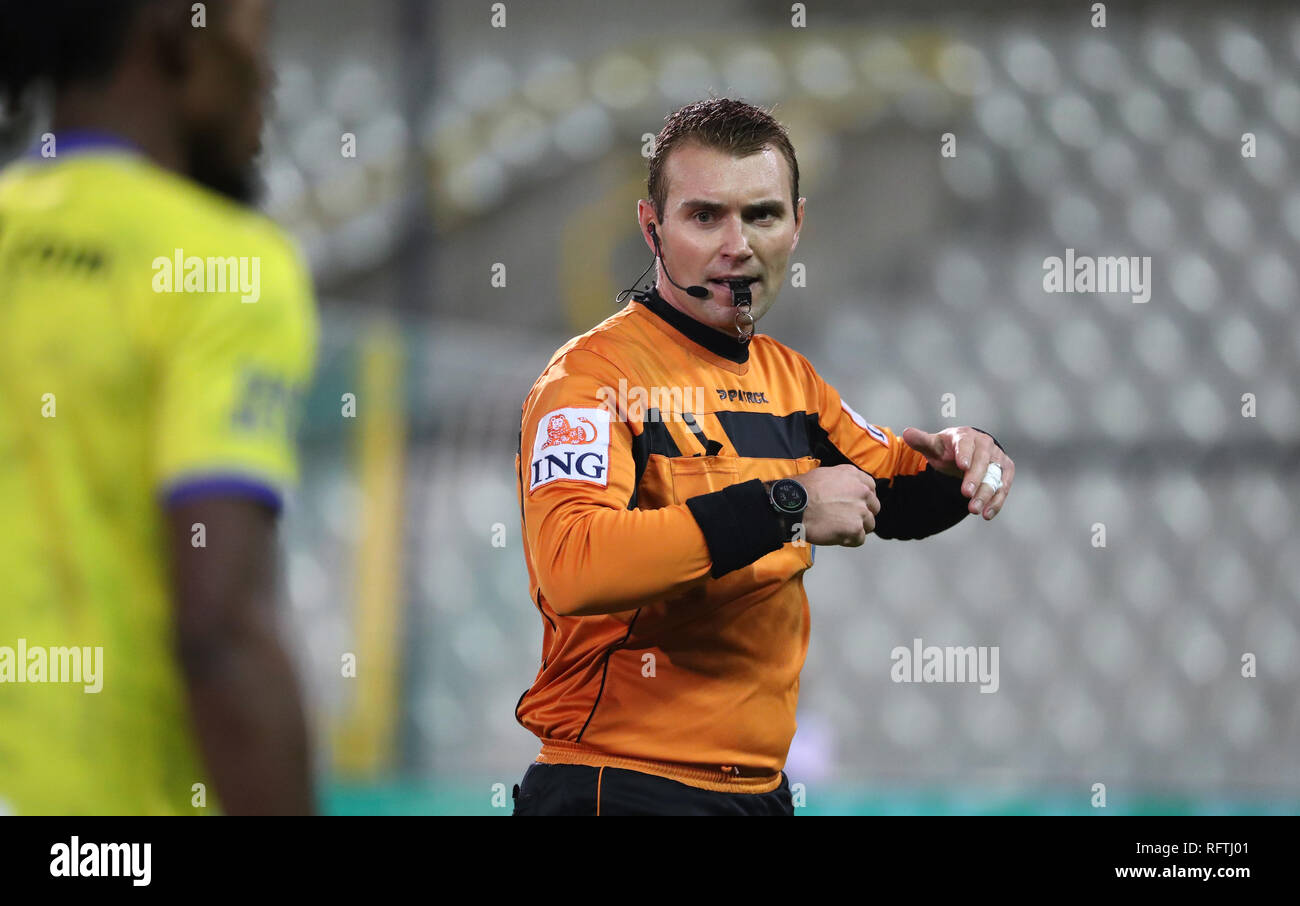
(842, 505)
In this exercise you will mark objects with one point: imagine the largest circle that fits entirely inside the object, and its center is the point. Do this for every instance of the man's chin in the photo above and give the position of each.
(720, 314)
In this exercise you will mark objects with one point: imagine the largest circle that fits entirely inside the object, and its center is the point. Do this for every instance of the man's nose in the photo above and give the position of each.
(736, 240)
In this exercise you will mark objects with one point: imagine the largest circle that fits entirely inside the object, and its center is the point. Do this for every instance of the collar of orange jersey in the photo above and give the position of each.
(714, 341)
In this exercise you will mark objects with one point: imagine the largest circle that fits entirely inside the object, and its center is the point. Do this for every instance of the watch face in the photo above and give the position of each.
(789, 495)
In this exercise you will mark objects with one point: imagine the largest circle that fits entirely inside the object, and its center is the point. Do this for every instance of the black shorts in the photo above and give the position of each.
(579, 789)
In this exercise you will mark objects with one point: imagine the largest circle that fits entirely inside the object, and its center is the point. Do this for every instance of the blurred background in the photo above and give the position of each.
(517, 152)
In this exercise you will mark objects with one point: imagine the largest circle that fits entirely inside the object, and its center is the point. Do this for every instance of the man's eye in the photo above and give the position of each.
(699, 214)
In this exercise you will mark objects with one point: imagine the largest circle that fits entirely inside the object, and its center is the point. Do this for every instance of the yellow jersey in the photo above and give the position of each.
(134, 372)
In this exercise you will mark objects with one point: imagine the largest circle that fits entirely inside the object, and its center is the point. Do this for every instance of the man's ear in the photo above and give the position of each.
(645, 215)
(798, 224)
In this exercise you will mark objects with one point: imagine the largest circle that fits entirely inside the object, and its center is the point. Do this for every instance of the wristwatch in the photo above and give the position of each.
(789, 499)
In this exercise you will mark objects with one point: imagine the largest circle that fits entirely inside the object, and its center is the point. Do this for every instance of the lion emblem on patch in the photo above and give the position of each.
(559, 431)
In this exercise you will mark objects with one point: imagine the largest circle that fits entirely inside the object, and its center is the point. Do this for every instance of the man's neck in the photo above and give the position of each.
(716, 341)
(684, 304)
(104, 110)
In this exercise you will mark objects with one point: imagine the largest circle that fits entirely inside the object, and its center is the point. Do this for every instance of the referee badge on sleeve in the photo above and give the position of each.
(572, 444)
(865, 425)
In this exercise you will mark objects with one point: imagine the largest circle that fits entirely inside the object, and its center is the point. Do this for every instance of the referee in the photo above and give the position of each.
(675, 472)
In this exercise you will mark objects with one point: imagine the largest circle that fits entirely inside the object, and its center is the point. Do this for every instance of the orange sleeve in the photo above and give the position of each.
(874, 449)
(590, 552)
(916, 501)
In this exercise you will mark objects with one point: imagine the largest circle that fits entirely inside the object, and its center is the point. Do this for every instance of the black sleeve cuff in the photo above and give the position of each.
(739, 525)
(917, 506)
(920, 505)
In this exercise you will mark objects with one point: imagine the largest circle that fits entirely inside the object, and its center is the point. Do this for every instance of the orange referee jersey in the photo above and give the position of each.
(643, 448)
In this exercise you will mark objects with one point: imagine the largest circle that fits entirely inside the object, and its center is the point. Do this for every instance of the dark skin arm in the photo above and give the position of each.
(243, 694)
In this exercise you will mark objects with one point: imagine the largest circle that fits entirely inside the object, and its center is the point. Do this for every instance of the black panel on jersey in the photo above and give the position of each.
(762, 435)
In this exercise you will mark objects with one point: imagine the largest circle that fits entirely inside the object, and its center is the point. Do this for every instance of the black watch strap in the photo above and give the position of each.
(788, 520)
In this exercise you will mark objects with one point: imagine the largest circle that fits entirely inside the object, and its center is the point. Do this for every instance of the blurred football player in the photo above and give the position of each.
(157, 335)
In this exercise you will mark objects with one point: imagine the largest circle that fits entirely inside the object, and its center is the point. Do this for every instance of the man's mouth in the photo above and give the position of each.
(727, 281)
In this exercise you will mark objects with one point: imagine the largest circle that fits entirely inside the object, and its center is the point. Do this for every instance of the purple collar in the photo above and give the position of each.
(85, 140)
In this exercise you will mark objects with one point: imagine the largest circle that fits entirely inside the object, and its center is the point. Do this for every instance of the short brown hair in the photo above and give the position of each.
(728, 125)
